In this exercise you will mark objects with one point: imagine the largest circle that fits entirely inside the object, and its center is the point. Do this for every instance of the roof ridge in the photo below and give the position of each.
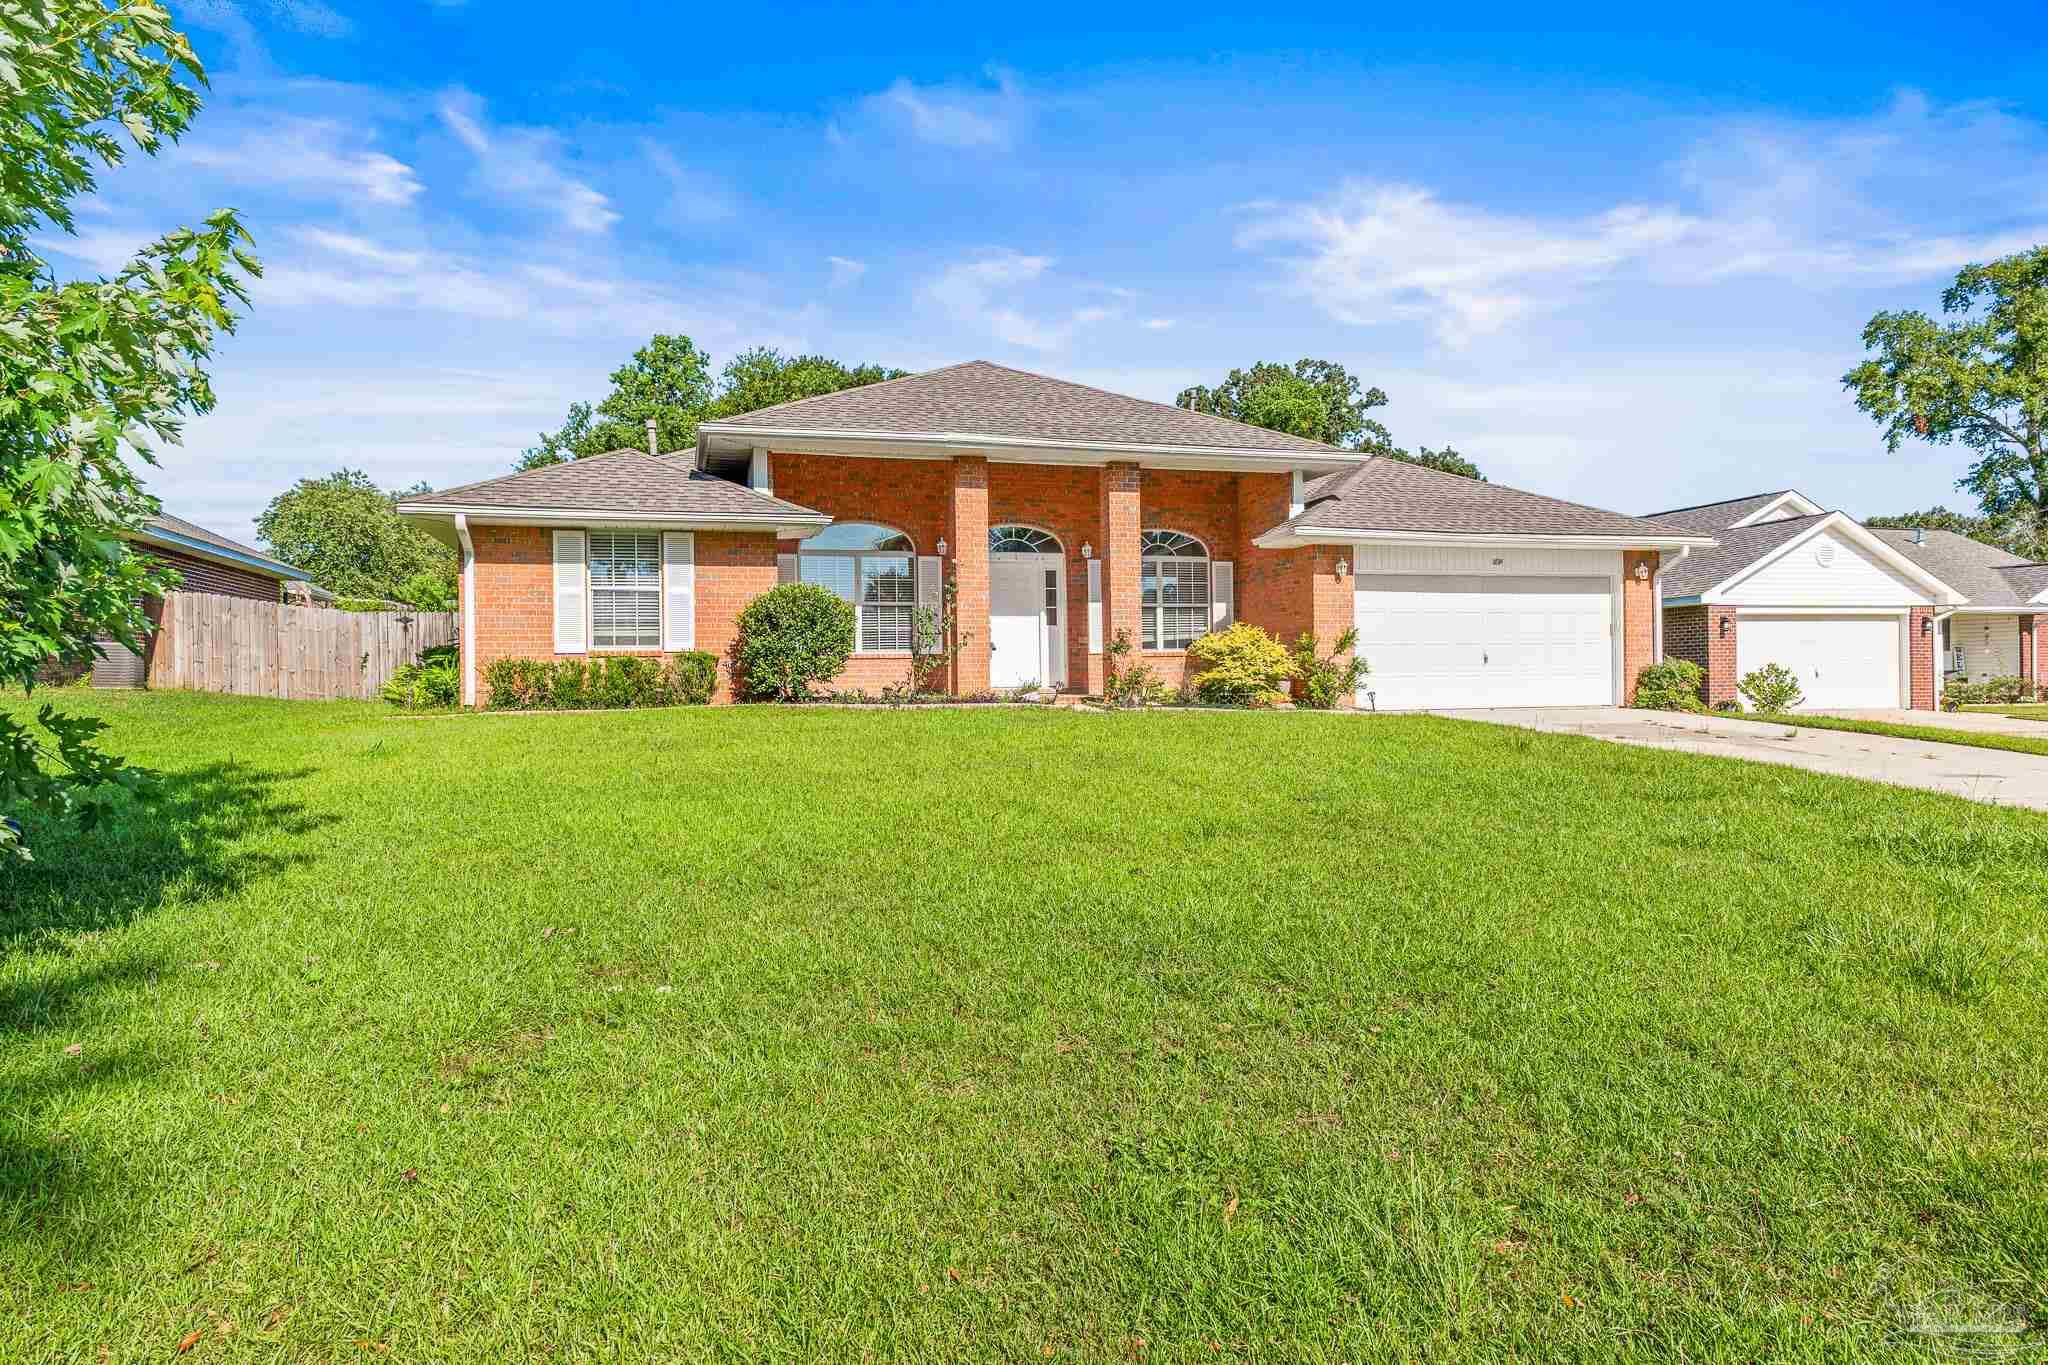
(878, 384)
(1153, 402)
(537, 469)
(1510, 488)
(1720, 502)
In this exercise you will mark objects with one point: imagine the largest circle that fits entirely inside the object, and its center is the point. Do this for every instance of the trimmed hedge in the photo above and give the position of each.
(1992, 692)
(792, 638)
(617, 683)
(1673, 685)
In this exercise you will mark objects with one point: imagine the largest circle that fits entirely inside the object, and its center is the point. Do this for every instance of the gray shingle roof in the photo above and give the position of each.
(982, 399)
(1987, 575)
(1740, 547)
(625, 481)
(1393, 495)
(1717, 516)
(178, 526)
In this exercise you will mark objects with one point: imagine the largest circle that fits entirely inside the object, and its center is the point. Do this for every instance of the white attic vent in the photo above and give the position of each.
(1824, 553)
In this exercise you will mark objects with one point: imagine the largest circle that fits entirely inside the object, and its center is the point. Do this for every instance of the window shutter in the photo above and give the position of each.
(572, 614)
(930, 590)
(679, 590)
(785, 569)
(1223, 595)
(1094, 606)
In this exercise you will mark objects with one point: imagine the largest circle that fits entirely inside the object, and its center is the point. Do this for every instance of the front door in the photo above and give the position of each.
(1016, 621)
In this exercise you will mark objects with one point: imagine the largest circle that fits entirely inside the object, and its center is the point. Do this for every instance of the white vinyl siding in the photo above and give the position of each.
(1990, 646)
(1827, 570)
(625, 590)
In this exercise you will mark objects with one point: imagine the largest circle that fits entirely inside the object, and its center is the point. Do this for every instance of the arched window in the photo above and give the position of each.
(1173, 584)
(1021, 540)
(870, 566)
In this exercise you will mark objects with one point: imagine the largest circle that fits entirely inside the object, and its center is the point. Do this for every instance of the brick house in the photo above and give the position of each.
(1065, 517)
(206, 562)
(1866, 619)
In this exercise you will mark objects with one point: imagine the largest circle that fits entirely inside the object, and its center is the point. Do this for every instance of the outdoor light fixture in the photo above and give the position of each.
(1724, 627)
(1087, 550)
(942, 547)
(1342, 567)
(1642, 572)
(1927, 625)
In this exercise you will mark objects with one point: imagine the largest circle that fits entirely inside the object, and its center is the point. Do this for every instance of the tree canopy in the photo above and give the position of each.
(1980, 379)
(346, 532)
(91, 371)
(669, 379)
(1319, 400)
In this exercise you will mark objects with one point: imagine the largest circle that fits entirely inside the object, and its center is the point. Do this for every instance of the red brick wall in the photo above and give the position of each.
(515, 594)
(1638, 617)
(1920, 652)
(1685, 637)
(969, 537)
(1286, 592)
(1120, 518)
(1062, 499)
(203, 575)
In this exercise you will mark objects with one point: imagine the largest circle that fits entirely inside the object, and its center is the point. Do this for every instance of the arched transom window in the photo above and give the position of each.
(870, 566)
(1021, 540)
(1173, 587)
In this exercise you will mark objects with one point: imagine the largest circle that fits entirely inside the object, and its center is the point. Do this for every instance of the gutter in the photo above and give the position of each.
(1291, 538)
(468, 610)
(204, 549)
(982, 442)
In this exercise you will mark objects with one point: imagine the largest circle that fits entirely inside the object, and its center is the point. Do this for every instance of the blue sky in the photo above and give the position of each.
(1615, 263)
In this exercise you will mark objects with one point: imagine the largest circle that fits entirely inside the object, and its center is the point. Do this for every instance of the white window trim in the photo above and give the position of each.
(1155, 612)
(591, 590)
(910, 555)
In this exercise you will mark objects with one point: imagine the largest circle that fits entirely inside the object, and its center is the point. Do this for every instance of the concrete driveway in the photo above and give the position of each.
(1989, 775)
(1979, 721)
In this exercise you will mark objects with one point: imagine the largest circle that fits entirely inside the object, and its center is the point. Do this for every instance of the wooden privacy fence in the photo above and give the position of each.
(214, 643)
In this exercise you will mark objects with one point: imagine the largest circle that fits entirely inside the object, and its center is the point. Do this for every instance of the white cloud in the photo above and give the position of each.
(1853, 201)
(1010, 296)
(1156, 324)
(304, 153)
(358, 248)
(694, 197)
(845, 271)
(948, 115)
(519, 164)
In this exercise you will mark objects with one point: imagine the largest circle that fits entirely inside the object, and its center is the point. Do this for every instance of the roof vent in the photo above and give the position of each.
(1824, 553)
(1919, 535)
(654, 438)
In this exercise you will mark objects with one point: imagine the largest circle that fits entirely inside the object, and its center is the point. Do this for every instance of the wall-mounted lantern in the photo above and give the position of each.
(942, 547)
(1725, 623)
(1087, 550)
(1342, 567)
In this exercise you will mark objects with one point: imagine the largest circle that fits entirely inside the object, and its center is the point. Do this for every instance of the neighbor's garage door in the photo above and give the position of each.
(1841, 661)
(1442, 640)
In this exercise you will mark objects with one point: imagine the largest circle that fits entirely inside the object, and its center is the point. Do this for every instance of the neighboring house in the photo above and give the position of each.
(1065, 516)
(206, 562)
(1997, 631)
(1845, 608)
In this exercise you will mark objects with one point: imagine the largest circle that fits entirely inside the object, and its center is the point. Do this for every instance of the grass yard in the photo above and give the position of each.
(752, 1034)
(2018, 711)
(1938, 734)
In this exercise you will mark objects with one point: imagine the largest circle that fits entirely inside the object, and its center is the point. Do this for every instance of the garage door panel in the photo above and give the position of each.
(1844, 662)
(1485, 640)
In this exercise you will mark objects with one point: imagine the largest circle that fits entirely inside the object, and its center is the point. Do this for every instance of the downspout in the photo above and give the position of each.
(1935, 623)
(468, 609)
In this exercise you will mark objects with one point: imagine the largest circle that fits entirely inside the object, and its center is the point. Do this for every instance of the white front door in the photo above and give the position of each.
(1454, 640)
(1016, 621)
(1849, 662)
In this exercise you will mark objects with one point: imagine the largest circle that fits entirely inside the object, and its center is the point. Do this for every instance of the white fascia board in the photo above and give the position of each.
(1849, 527)
(1294, 538)
(1895, 609)
(788, 527)
(927, 445)
(1803, 506)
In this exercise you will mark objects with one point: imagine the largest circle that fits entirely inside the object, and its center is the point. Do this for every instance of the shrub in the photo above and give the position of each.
(620, 682)
(1991, 692)
(1128, 684)
(791, 638)
(1771, 688)
(1322, 682)
(1242, 666)
(1673, 685)
(430, 684)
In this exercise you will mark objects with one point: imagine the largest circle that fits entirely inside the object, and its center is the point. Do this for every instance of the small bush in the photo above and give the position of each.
(1242, 666)
(1771, 688)
(1320, 681)
(1128, 684)
(619, 682)
(792, 638)
(1673, 685)
(1991, 692)
(433, 683)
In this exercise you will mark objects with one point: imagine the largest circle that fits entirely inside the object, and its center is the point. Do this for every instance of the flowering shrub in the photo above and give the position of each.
(1242, 666)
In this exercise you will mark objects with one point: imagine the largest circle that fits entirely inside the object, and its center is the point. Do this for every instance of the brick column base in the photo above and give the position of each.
(1117, 548)
(1920, 654)
(969, 536)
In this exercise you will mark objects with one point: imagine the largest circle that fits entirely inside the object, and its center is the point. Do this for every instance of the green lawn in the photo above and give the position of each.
(1938, 734)
(2018, 711)
(749, 1034)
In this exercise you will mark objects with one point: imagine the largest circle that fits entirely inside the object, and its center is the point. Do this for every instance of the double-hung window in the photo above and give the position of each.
(871, 567)
(625, 589)
(1173, 589)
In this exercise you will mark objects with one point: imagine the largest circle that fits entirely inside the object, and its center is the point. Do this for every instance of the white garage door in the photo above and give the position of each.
(1841, 661)
(1443, 640)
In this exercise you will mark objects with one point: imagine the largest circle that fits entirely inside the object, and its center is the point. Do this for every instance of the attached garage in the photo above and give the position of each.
(1842, 662)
